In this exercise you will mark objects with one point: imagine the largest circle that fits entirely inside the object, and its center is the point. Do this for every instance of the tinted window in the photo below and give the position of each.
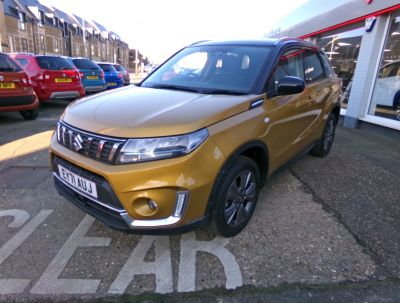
(312, 67)
(54, 63)
(107, 67)
(327, 67)
(8, 65)
(22, 61)
(85, 64)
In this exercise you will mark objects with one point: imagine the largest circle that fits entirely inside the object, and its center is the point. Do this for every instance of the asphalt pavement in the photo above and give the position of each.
(325, 230)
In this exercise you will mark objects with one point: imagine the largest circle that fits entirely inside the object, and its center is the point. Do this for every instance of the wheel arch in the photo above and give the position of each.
(255, 150)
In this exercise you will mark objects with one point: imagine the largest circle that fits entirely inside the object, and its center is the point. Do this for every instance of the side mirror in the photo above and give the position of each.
(289, 85)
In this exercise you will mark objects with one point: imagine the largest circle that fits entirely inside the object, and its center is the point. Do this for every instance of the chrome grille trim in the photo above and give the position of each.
(100, 148)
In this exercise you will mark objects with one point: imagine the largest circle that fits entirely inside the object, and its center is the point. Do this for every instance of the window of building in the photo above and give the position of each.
(22, 20)
(56, 45)
(41, 19)
(385, 100)
(55, 21)
(65, 29)
(342, 49)
(42, 42)
(24, 45)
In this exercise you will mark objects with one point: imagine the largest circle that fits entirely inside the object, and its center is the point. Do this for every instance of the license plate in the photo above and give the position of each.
(81, 184)
(92, 77)
(111, 84)
(7, 85)
(63, 80)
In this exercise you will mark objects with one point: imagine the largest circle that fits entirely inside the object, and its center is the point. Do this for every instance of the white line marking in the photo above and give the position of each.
(187, 266)
(135, 265)
(9, 286)
(49, 282)
(20, 217)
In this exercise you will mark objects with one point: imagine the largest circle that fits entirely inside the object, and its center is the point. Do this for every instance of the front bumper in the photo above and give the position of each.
(125, 189)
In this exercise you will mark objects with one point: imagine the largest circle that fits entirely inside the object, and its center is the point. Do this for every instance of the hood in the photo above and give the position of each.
(136, 112)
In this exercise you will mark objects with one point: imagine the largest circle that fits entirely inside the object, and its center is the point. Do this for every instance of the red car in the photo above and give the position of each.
(52, 77)
(16, 93)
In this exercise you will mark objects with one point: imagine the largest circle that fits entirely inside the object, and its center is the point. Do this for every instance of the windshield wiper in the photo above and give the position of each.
(222, 92)
(175, 87)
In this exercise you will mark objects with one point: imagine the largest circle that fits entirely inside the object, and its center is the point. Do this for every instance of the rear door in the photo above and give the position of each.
(320, 89)
(288, 117)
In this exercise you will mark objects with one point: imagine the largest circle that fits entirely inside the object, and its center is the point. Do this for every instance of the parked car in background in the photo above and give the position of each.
(387, 87)
(194, 142)
(124, 72)
(92, 76)
(53, 77)
(111, 75)
(16, 92)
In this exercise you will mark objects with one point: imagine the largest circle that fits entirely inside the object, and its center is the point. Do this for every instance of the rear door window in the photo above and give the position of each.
(8, 65)
(313, 70)
(54, 63)
(327, 66)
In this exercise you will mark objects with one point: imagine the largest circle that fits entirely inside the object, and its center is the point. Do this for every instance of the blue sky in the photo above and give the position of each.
(159, 28)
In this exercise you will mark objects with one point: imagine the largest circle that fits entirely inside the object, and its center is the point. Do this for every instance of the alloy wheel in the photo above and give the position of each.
(240, 198)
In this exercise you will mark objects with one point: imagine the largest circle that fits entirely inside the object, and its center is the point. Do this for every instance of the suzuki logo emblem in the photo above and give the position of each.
(64, 75)
(1, 78)
(78, 143)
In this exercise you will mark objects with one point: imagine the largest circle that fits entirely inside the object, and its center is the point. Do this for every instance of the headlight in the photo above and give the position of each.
(148, 149)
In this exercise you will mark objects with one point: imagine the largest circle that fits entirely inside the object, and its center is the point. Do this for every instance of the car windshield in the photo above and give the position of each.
(107, 67)
(85, 64)
(8, 65)
(54, 63)
(225, 69)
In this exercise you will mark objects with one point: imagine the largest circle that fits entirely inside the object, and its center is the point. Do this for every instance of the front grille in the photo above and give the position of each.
(104, 149)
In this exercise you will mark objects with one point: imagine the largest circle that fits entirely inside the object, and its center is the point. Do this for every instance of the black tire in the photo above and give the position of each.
(29, 114)
(325, 142)
(235, 197)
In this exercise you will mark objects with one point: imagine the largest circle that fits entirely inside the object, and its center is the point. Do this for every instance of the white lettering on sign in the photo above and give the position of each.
(13, 286)
(187, 267)
(135, 265)
(49, 282)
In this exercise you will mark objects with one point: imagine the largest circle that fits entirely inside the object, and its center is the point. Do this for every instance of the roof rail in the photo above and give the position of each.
(197, 42)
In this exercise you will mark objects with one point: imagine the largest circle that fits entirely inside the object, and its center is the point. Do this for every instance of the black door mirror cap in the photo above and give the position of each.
(290, 85)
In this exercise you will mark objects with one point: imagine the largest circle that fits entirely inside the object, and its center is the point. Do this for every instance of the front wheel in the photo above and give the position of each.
(29, 114)
(325, 142)
(235, 196)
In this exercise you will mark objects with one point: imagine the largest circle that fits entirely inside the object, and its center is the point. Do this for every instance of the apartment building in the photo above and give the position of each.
(29, 26)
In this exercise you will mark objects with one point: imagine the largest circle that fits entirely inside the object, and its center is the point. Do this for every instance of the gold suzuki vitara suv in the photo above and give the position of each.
(195, 140)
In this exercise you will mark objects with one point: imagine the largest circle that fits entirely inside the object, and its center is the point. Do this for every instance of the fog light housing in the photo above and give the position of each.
(181, 198)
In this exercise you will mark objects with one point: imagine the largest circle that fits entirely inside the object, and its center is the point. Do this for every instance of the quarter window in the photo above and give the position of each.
(312, 67)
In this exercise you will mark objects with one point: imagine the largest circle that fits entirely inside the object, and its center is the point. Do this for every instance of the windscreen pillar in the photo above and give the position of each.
(365, 73)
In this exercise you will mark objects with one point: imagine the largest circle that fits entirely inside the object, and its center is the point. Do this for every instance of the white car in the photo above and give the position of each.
(387, 88)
